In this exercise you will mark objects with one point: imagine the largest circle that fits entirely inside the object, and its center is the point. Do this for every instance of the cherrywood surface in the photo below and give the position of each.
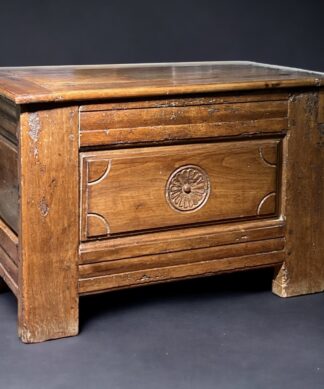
(207, 266)
(303, 190)
(66, 83)
(127, 190)
(185, 256)
(182, 119)
(49, 225)
(184, 239)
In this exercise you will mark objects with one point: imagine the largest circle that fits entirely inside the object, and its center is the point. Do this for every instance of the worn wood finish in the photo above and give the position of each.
(70, 83)
(9, 242)
(184, 239)
(9, 183)
(169, 134)
(131, 190)
(119, 176)
(246, 96)
(176, 122)
(321, 107)
(177, 258)
(303, 270)
(9, 120)
(49, 229)
(203, 268)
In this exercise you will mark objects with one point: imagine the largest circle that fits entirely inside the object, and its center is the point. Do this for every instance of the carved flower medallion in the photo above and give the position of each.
(188, 188)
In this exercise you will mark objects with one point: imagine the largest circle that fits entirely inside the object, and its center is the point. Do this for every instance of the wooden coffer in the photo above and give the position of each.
(121, 176)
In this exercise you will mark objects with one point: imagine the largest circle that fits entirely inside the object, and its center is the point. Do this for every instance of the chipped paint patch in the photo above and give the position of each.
(34, 131)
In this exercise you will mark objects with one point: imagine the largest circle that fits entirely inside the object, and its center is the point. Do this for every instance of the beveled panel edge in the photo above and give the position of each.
(99, 156)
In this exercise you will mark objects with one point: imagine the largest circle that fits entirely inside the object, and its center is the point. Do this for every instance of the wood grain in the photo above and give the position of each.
(170, 123)
(127, 190)
(49, 229)
(9, 118)
(9, 242)
(72, 83)
(9, 183)
(184, 239)
(244, 96)
(321, 108)
(189, 256)
(303, 270)
(204, 268)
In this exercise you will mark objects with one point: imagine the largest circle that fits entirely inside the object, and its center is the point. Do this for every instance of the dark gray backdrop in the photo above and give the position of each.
(39, 32)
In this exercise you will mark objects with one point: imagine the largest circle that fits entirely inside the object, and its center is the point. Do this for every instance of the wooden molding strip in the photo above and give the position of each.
(185, 256)
(204, 268)
(9, 242)
(189, 238)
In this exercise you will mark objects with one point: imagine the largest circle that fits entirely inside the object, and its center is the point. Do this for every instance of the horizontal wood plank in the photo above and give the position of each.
(181, 115)
(171, 134)
(72, 83)
(9, 241)
(206, 99)
(172, 121)
(185, 239)
(143, 277)
(178, 258)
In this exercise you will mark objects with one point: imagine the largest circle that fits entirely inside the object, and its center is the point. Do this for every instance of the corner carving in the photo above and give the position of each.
(97, 225)
(267, 205)
(269, 155)
(97, 171)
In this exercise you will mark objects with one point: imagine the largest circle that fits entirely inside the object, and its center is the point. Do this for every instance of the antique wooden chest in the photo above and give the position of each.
(124, 175)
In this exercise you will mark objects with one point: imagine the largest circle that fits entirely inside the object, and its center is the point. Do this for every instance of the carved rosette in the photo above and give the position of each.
(188, 188)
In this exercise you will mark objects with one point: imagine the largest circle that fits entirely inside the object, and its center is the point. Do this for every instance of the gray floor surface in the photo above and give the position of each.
(227, 332)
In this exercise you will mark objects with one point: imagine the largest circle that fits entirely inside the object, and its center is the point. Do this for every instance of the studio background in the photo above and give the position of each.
(38, 32)
(227, 332)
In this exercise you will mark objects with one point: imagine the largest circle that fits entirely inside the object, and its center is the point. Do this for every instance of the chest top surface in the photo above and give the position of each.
(25, 85)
